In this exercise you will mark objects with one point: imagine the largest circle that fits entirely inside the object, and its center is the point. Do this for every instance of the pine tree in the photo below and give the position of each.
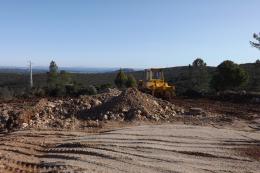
(257, 38)
(255, 78)
(52, 75)
(120, 79)
(199, 76)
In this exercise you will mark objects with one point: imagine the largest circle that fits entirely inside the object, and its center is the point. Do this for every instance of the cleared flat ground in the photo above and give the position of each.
(147, 148)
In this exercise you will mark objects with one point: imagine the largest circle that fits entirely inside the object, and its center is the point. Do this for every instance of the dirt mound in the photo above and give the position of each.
(87, 111)
(63, 113)
(132, 104)
(93, 111)
(51, 113)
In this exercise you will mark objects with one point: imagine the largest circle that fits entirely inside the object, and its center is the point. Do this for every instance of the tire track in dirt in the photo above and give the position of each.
(150, 148)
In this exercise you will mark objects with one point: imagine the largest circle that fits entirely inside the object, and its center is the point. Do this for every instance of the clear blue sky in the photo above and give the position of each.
(127, 33)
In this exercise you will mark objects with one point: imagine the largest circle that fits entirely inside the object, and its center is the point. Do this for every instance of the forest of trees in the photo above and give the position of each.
(194, 79)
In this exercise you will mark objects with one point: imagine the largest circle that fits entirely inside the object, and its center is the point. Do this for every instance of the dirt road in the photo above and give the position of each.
(147, 148)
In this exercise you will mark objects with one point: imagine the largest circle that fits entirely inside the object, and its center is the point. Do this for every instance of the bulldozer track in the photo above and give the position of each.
(11, 165)
(149, 148)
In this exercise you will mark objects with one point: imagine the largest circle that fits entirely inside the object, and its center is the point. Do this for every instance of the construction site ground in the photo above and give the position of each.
(224, 138)
(145, 148)
(240, 115)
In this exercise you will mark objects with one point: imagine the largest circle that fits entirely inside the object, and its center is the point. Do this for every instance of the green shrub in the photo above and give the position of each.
(39, 92)
(131, 82)
(57, 91)
(91, 90)
(6, 93)
(104, 86)
(229, 76)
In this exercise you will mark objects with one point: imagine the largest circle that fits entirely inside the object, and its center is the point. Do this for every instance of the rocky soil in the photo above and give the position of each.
(87, 111)
(51, 112)
(132, 104)
(129, 105)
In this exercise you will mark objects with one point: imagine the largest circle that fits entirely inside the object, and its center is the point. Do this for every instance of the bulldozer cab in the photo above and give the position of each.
(154, 74)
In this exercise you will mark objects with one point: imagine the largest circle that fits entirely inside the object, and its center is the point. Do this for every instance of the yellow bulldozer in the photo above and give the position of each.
(154, 84)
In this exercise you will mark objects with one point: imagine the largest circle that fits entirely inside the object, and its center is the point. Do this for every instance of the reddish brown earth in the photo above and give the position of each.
(241, 110)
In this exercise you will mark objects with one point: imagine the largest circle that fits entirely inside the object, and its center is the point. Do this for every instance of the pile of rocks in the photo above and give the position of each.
(132, 104)
(45, 113)
(10, 115)
(65, 113)
(4, 116)
(68, 113)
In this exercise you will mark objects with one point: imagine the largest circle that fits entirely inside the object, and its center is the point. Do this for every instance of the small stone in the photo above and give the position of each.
(124, 110)
(87, 105)
(166, 116)
(96, 102)
(50, 104)
(65, 111)
(139, 111)
(157, 118)
(5, 113)
(156, 103)
(105, 117)
(24, 125)
(113, 117)
(138, 117)
(117, 116)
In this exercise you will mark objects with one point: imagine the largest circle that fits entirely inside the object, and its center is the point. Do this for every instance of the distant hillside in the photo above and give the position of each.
(172, 75)
(126, 70)
(39, 69)
(20, 70)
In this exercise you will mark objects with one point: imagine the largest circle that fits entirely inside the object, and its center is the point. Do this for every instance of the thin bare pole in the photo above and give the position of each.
(31, 76)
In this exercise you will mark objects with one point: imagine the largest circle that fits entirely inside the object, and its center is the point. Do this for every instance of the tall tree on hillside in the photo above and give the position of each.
(255, 78)
(199, 78)
(120, 79)
(199, 63)
(255, 85)
(229, 76)
(52, 79)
